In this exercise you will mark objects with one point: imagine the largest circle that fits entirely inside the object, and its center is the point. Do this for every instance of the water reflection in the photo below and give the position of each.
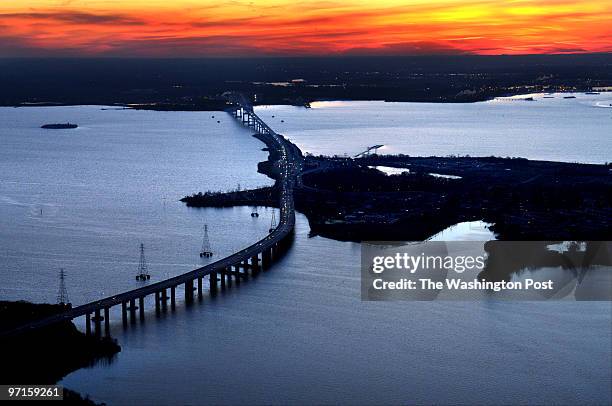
(301, 335)
(581, 270)
(509, 270)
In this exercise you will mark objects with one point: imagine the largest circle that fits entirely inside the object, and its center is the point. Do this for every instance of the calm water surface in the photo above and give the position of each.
(300, 334)
(555, 129)
(297, 334)
(85, 199)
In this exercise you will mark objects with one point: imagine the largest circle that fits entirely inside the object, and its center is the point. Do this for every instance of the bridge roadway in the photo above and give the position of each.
(269, 248)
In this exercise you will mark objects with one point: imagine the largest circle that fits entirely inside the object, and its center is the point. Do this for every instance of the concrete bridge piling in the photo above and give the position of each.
(106, 322)
(189, 290)
(141, 308)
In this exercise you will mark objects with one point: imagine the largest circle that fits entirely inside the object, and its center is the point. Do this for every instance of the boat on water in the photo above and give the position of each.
(591, 92)
(58, 126)
(569, 97)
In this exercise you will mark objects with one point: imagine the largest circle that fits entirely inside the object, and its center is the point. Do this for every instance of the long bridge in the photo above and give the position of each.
(255, 258)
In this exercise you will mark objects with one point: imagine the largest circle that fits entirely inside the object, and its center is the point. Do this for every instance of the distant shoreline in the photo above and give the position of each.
(198, 84)
(221, 105)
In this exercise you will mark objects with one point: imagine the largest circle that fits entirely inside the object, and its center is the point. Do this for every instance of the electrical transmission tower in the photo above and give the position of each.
(143, 272)
(273, 222)
(206, 248)
(62, 294)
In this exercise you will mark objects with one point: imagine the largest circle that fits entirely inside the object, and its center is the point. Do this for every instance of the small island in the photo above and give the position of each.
(59, 126)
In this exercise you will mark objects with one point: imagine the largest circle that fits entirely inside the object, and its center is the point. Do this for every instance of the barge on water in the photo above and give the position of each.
(59, 126)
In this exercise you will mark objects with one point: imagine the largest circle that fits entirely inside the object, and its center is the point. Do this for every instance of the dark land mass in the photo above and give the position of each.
(345, 199)
(525, 200)
(44, 356)
(197, 84)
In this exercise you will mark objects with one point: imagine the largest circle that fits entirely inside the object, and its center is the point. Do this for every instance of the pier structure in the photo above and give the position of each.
(235, 268)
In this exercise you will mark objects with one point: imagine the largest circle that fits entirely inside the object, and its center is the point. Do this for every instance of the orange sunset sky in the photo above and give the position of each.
(199, 28)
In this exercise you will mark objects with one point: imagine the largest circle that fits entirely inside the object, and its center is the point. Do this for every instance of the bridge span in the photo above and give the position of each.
(255, 258)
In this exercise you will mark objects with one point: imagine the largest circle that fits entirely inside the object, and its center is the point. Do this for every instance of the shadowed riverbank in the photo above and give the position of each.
(48, 354)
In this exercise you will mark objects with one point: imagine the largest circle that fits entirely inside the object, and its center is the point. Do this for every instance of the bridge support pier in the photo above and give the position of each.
(229, 276)
(88, 324)
(255, 264)
(106, 322)
(189, 292)
(156, 302)
(164, 298)
(222, 274)
(237, 274)
(200, 292)
(97, 323)
(173, 297)
(141, 308)
(266, 259)
(213, 283)
(132, 311)
(124, 313)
